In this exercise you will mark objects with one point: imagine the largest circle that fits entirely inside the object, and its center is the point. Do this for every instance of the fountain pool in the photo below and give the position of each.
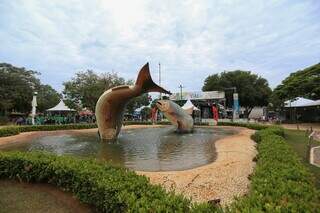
(144, 149)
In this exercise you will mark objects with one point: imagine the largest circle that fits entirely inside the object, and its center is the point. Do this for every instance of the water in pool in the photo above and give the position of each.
(145, 149)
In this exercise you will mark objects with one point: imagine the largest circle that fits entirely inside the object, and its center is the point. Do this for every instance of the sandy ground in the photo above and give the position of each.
(223, 179)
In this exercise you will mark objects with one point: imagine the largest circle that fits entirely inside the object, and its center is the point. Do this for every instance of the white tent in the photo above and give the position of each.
(189, 107)
(314, 103)
(299, 102)
(60, 107)
(140, 108)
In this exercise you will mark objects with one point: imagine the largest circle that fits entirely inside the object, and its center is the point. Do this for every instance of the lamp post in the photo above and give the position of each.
(160, 80)
(180, 86)
(34, 106)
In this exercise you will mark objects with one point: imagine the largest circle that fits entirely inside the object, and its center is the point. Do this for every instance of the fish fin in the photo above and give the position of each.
(145, 81)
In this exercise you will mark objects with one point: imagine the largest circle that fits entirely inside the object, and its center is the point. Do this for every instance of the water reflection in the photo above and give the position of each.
(147, 149)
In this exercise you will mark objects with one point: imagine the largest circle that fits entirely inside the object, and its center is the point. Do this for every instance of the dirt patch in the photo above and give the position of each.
(223, 179)
(31, 197)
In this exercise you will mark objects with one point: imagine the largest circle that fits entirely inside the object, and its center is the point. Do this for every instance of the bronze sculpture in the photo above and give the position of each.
(111, 104)
(176, 115)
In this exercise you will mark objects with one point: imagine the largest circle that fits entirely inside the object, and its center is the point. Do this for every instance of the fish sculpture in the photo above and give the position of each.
(111, 104)
(176, 115)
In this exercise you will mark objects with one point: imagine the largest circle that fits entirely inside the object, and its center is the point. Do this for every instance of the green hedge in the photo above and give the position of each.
(107, 188)
(247, 125)
(14, 130)
(8, 131)
(280, 182)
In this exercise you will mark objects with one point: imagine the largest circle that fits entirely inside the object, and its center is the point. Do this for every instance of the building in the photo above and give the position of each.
(202, 100)
(301, 110)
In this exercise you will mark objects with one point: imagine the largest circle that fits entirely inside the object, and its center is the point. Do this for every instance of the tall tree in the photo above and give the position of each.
(253, 90)
(17, 87)
(85, 88)
(303, 83)
(47, 97)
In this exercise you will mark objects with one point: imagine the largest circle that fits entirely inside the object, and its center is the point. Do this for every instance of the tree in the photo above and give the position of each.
(83, 90)
(303, 83)
(253, 90)
(17, 87)
(47, 97)
(142, 100)
(146, 113)
(86, 87)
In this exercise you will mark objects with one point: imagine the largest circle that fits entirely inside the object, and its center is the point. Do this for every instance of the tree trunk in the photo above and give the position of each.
(247, 111)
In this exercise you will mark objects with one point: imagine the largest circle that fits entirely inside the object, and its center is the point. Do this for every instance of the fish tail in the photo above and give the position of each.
(145, 81)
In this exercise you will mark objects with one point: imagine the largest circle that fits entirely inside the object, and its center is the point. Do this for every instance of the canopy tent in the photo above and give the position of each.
(300, 102)
(302, 110)
(314, 103)
(60, 107)
(138, 110)
(189, 105)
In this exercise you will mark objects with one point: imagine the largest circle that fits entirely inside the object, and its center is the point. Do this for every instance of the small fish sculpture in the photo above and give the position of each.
(176, 115)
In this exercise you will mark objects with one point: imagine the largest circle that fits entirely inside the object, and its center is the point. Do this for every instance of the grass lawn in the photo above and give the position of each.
(299, 142)
(24, 197)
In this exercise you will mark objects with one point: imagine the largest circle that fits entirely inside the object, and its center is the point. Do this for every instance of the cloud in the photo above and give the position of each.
(191, 39)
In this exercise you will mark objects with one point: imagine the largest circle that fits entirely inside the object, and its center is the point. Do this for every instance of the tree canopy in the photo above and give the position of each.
(303, 83)
(17, 87)
(85, 88)
(253, 90)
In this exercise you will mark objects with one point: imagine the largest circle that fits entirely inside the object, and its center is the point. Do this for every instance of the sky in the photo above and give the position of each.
(191, 39)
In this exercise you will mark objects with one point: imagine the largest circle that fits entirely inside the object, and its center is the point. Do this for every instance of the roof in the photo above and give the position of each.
(60, 107)
(301, 102)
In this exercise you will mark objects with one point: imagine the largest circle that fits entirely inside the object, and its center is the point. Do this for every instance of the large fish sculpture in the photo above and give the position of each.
(111, 104)
(176, 115)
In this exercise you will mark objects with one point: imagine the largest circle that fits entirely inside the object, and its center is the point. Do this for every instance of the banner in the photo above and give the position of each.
(198, 95)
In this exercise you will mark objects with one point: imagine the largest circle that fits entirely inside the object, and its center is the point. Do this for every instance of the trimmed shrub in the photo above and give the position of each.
(107, 188)
(247, 125)
(280, 182)
(14, 130)
(7, 131)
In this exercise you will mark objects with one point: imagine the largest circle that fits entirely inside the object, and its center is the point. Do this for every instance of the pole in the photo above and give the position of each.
(180, 86)
(160, 79)
(34, 106)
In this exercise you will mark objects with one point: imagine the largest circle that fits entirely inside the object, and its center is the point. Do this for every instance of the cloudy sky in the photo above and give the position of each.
(191, 39)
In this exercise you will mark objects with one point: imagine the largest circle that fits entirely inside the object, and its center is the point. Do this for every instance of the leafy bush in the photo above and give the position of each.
(280, 182)
(107, 188)
(247, 125)
(14, 130)
(7, 131)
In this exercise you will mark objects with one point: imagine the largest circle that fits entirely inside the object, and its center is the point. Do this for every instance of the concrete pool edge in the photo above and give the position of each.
(224, 179)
